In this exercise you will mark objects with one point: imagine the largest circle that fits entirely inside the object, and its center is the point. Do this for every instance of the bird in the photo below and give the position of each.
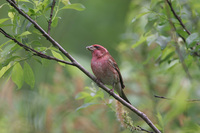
(106, 69)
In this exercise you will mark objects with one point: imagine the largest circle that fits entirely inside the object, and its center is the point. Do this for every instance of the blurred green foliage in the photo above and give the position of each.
(38, 95)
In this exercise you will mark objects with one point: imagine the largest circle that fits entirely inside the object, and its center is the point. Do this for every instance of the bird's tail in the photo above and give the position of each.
(122, 95)
(121, 92)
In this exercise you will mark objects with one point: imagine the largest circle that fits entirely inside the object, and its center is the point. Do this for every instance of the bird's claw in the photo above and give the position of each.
(111, 91)
(97, 80)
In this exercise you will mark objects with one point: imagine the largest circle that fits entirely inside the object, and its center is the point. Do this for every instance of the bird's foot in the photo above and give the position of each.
(111, 91)
(98, 81)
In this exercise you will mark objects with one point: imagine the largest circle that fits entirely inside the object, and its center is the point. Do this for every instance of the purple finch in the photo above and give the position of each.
(106, 69)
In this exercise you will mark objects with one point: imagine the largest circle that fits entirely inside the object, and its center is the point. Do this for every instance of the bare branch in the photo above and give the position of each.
(51, 14)
(142, 129)
(162, 97)
(37, 53)
(189, 100)
(178, 18)
(181, 23)
(75, 63)
(193, 100)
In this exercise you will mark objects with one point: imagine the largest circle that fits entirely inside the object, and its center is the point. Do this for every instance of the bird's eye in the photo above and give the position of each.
(97, 47)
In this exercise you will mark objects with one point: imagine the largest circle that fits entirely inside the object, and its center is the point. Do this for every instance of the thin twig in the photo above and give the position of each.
(75, 63)
(142, 129)
(193, 100)
(138, 128)
(189, 100)
(162, 97)
(35, 52)
(178, 18)
(181, 23)
(51, 14)
(174, 27)
(180, 54)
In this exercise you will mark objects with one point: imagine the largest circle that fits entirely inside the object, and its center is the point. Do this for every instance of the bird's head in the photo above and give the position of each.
(97, 50)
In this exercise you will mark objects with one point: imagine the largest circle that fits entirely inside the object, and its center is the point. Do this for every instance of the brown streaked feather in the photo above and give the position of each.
(114, 64)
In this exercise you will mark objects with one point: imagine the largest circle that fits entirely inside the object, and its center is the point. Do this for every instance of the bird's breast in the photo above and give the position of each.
(103, 71)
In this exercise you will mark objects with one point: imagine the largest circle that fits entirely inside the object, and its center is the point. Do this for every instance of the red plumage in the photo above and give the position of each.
(106, 69)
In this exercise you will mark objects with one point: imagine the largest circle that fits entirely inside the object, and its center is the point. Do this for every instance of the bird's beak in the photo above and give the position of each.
(90, 48)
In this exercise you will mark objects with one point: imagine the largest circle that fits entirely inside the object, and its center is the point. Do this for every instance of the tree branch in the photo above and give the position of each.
(51, 14)
(44, 33)
(181, 23)
(141, 129)
(75, 63)
(178, 18)
(35, 52)
(162, 97)
(189, 100)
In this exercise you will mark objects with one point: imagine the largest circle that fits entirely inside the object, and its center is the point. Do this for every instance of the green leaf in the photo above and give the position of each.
(11, 15)
(82, 95)
(85, 106)
(29, 75)
(152, 17)
(149, 26)
(160, 119)
(171, 64)
(31, 12)
(59, 56)
(139, 16)
(47, 3)
(76, 6)
(18, 75)
(25, 33)
(90, 94)
(45, 62)
(4, 69)
(65, 2)
(155, 53)
(9, 59)
(151, 39)
(36, 43)
(3, 5)
(3, 20)
(8, 72)
(4, 44)
(25, 1)
(162, 41)
(140, 41)
(41, 49)
(167, 57)
(54, 22)
(5, 25)
(99, 94)
(192, 39)
(7, 49)
(23, 7)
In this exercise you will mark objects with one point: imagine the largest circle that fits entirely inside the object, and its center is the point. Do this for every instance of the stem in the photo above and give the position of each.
(177, 17)
(51, 14)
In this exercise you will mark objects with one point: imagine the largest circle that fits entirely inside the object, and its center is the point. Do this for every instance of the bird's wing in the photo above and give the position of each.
(113, 63)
